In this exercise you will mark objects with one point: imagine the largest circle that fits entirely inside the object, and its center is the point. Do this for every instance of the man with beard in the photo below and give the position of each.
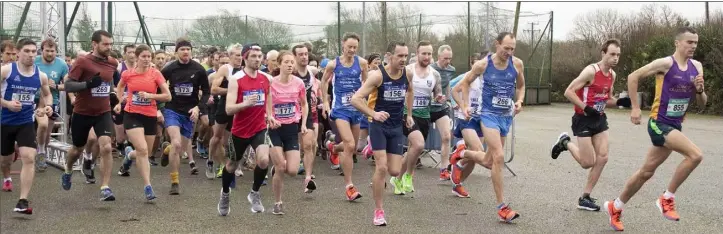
(308, 75)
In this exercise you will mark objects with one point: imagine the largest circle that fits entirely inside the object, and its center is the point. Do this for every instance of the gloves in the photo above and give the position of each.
(589, 111)
(94, 81)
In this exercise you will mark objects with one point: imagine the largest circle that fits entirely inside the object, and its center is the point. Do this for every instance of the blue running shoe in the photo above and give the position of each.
(106, 194)
(65, 180)
(150, 195)
(127, 161)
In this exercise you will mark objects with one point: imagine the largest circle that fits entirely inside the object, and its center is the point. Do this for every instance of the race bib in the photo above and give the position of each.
(259, 94)
(677, 107)
(421, 102)
(25, 99)
(284, 110)
(101, 91)
(600, 106)
(501, 102)
(137, 100)
(474, 105)
(346, 99)
(183, 89)
(394, 94)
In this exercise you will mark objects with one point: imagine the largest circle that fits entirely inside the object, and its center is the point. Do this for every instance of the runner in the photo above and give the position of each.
(679, 79)
(374, 61)
(311, 86)
(56, 69)
(591, 92)
(19, 82)
(140, 118)
(9, 55)
(272, 66)
(440, 110)
(159, 59)
(289, 107)
(427, 86)
(129, 61)
(92, 79)
(222, 126)
(349, 71)
(389, 90)
(470, 146)
(92, 150)
(503, 78)
(246, 100)
(187, 79)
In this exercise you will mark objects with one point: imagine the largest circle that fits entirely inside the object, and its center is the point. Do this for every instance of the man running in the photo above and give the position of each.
(390, 90)
(679, 80)
(311, 85)
(427, 87)
(591, 92)
(9, 55)
(246, 100)
(272, 66)
(56, 69)
(143, 83)
(374, 61)
(187, 78)
(349, 71)
(440, 110)
(129, 62)
(503, 78)
(222, 126)
(19, 82)
(92, 79)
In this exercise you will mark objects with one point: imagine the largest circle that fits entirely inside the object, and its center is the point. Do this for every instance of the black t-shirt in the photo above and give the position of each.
(185, 80)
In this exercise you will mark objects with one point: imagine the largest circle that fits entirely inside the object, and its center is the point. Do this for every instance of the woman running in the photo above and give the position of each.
(143, 83)
(289, 107)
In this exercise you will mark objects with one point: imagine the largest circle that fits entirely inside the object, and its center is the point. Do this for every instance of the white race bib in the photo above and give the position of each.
(600, 106)
(677, 107)
(183, 89)
(284, 110)
(24, 98)
(501, 102)
(259, 94)
(421, 102)
(101, 91)
(346, 99)
(137, 100)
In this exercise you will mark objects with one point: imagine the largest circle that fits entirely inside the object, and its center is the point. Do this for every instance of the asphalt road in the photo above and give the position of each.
(544, 192)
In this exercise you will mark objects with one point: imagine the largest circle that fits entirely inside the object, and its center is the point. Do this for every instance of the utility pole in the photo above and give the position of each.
(707, 13)
(532, 33)
(102, 15)
(364, 28)
(487, 26)
(384, 23)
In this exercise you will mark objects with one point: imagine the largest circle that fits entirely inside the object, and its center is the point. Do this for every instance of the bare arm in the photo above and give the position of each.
(701, 98)
(477, 69)
(364, 69)
(304, 106)
(657, 66)
(165, 95)
(4, 72)
(269, 107)
(438, 81)
(231, 106)
(121, 86)
(409, 99)
(586, 76)
(374, 80)
(328, 72)
(520, 89)
(45, 91)
(612, 101)
(217, 78)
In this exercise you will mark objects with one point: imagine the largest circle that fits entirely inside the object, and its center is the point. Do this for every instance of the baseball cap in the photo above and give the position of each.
(248, 48)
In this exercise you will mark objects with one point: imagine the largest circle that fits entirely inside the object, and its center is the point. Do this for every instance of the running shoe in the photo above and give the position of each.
(194, 169)
(174, 189)
(301, 169)
(379, 219)
(255, 200)
(351, 193)
(166, 152)
(397, 184)
(223, 204)
(40, 164)
(210, 174)
(614, 216)
(587, 203)
(460, 191)
(88, 171)
(309, 185)
(7, 186)
(152, 161)
(443, 174)
(408, 183)
(559, 147)
(65, 180)
(506, 214)
(23, 207)
(106, 194)
(667, 208)
(150, 195)
(278, 209)
(334, 158)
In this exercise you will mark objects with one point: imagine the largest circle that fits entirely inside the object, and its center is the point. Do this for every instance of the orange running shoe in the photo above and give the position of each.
(443, 174)
(351, 193)
(334, 157)
(614, 216)
(667, 208)
(459, 190)
(506, 214)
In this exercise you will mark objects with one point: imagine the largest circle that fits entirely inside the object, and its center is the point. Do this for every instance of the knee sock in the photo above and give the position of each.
(226, 179)
(259, 176)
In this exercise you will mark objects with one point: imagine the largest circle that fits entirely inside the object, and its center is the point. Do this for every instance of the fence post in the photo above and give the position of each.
(419, 30)
(72, 17)
(469, 31)
(110, 18)
(364, 28)
(22, 21)
(549, 70)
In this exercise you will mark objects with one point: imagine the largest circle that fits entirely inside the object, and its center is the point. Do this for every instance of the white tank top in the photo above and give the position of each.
(423, 87)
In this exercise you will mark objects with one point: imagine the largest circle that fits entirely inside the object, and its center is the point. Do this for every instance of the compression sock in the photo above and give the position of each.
(259, 176)
(226, 180)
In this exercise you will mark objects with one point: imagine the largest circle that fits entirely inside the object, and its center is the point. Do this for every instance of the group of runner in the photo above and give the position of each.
(278, 113)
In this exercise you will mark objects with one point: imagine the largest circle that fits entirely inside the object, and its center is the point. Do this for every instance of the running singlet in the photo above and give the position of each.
(148, 82)
(498, 89)
(312, 87)
(596, 95)
(18, 87)
(95, 101)
(446, 75)
(390, 97)
(673, 92)
(55, 71)
(233, 74)
(475, 92)
(249, 121)
(347, 80)
(423, 87)
(285, 99)
(185, 82)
